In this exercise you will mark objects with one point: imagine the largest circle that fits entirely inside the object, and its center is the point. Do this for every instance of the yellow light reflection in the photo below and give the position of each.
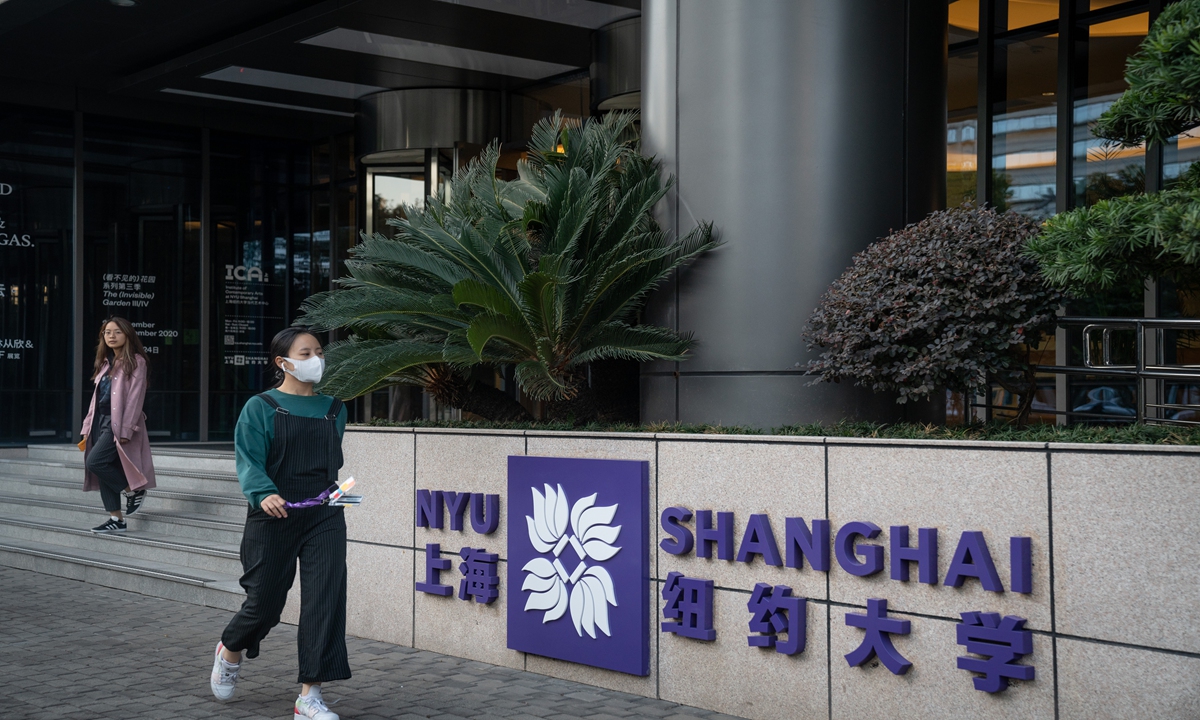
(1122, 27)
(965, 14)
(960, 162)
(1098, 154)
(1021, 13)
(1021, 160)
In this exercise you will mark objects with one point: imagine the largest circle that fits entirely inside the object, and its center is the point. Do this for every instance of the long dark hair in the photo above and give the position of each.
(125, 357)
(281, 345)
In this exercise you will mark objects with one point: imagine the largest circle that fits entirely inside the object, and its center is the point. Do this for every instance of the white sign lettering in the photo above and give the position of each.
(241, 272)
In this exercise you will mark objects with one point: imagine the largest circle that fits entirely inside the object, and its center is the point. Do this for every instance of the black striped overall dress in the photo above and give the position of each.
(303, 461)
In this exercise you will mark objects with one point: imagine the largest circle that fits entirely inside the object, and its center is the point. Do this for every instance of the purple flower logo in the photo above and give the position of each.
(587, 589)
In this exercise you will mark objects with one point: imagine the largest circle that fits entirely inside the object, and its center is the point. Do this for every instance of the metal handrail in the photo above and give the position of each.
(1144, 372)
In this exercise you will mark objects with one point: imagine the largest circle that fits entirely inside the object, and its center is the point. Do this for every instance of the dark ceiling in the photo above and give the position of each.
(148, 58)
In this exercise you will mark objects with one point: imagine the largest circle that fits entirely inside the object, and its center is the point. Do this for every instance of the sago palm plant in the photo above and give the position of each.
(545, 274)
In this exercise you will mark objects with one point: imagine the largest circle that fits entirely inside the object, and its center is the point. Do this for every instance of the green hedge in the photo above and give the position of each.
(1126, 434)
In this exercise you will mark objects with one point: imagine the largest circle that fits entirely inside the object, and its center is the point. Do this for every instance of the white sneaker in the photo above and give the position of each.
(313, 706)
(224, 676)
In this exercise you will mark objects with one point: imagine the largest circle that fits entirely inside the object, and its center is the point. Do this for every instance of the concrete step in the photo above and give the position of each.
(196, 460)
(195, 526)
(52, 453)
(167, 478)
(183, 543)
(165, 458)
(159, 579)
(232, 507)
(135, 546)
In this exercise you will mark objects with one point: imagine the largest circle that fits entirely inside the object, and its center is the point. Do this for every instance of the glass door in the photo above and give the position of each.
(391, 190)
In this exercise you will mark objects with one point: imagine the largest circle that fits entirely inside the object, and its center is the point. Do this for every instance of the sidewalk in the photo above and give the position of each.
(75, 651)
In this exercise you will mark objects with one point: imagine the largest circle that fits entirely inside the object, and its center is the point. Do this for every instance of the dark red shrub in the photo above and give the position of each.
(950, 302)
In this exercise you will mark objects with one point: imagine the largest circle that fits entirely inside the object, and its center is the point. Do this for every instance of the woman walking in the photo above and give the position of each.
(288, 444)
(117, 460)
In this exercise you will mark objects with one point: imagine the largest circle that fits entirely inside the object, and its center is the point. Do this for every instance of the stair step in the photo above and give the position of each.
(143, 576)
(203, 482)
(134, 546)
(196, 519)
(183, 545)
(77, 465)
(237, 500)
(175, 573)
(171, 456)
(227, 507)
(201, 526)
(222, 550)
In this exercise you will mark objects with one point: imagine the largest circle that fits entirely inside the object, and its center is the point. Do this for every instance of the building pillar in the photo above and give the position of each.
(784, 122)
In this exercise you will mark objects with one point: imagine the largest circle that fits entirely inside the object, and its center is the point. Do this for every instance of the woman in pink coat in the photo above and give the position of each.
(117, 460)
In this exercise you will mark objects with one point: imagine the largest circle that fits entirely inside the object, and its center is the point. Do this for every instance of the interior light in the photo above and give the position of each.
(398, 48)
(294, 83)
(123, 3)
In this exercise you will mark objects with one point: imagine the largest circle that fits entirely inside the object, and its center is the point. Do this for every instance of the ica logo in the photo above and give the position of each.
(241, 272)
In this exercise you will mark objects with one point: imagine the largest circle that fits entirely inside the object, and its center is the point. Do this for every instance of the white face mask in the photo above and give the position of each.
(308, 371)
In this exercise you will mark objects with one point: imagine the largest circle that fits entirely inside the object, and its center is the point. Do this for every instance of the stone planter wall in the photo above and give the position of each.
(1115, 539)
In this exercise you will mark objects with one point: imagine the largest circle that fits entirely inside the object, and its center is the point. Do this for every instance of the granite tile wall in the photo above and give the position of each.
(999, 491)
(1126, 543)
(1112, 533)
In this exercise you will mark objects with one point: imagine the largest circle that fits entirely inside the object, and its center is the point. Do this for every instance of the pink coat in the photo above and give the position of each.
(128, 423)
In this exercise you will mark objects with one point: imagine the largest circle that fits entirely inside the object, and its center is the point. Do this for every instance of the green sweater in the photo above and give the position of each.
(256, 429)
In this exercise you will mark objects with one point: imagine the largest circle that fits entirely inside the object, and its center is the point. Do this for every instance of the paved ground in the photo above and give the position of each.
(75, 651)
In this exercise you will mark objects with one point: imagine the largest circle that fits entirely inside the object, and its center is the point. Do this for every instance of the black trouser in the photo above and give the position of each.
(270, 547)
(105, 463)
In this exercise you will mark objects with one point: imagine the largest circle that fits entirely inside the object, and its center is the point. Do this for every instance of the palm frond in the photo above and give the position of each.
(356, 367)
(644, 343)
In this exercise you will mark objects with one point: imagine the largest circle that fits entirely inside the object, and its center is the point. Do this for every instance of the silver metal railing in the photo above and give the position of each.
(1152, 376)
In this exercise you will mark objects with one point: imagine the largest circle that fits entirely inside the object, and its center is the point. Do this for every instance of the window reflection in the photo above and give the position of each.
(1179, 153)
(570, 95)
(1023, 159)
(392, 193)
(141, 246)
(1023, 13)
(964, 20)
(36, 199)
(321, 163)
(961, 128)
(320, 246)
(1101, 169)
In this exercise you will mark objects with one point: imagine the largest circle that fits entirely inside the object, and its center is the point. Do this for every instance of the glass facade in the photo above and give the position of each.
(141, 245)
(37, 174)
(1040, 101)
(281, 214)
(1023, 126)
(1100, 170)
(1026, 82)
(261, 250)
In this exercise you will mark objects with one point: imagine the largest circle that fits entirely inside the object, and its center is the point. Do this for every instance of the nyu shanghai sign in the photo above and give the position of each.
(777, 618)
(578, 579)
